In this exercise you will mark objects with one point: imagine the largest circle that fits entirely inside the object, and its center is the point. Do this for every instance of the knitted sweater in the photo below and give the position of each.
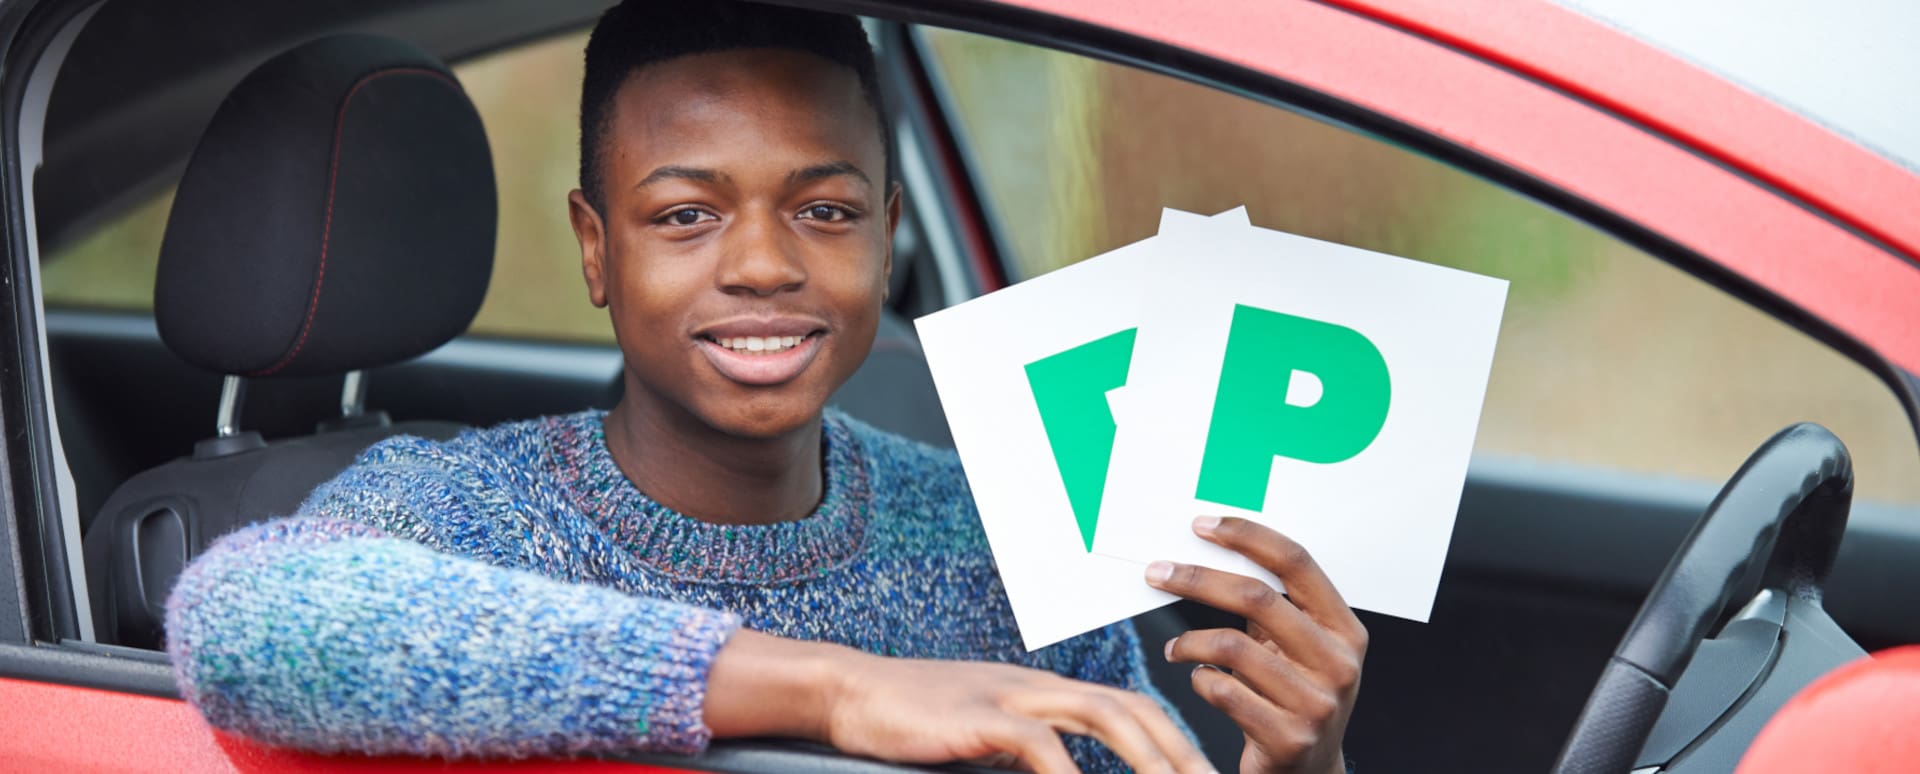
(510, 592)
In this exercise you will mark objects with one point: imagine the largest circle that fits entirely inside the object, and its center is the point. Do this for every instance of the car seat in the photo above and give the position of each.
(893, 388)
(337, 215)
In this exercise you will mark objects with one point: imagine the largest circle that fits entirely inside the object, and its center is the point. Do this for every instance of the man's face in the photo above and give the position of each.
(746, 238)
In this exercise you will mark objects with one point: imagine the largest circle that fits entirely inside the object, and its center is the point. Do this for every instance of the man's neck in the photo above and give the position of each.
(685, 464)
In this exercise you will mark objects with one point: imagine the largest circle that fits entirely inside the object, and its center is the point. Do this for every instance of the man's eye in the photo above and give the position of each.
(686, 217)
(826, 212)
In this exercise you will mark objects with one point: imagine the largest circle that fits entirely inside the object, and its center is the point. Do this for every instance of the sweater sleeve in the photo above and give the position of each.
(331, 634)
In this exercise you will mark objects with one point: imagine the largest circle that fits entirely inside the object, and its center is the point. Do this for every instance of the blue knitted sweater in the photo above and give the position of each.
(511, 593)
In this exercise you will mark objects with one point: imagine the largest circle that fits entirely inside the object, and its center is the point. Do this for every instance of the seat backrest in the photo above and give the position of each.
(337, 215)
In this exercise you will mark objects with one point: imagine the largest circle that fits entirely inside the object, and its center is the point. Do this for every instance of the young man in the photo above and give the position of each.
(717, 556)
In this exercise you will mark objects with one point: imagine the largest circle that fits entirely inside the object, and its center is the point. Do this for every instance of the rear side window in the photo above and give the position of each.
(110, 267)
(1608, 357)
(529, 99)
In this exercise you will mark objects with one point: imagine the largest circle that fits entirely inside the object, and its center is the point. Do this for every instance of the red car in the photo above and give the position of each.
(1694, 267)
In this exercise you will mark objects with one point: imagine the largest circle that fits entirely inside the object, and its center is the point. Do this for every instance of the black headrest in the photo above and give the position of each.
(337, 214)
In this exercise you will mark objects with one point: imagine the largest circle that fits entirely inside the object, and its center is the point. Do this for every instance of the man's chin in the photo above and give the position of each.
(765, 417)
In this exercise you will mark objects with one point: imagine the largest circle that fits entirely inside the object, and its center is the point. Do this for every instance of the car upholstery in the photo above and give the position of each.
(337, 215)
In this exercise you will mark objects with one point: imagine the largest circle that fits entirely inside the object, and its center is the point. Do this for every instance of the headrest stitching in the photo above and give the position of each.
(333, 174)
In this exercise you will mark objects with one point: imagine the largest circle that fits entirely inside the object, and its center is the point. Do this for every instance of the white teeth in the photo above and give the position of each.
(760, 345)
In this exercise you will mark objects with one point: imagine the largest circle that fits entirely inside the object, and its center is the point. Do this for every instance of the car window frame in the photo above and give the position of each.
(37, 38)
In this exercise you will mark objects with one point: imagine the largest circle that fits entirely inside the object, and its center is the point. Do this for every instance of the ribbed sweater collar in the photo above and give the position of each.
(686, 548)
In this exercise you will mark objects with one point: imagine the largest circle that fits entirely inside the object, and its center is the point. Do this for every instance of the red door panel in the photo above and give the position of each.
(67, 729)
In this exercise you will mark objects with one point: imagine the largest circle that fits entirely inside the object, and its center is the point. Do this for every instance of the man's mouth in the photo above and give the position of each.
(762, 352)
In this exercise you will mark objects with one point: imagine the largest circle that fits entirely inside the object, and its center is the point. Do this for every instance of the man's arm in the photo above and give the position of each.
(412, 607)
(333, 632)
(327, 635)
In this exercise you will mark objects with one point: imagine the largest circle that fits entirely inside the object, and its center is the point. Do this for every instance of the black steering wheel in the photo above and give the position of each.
(1671, 700)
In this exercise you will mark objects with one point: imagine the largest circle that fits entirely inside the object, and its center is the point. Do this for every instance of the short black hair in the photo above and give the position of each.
(638, 33)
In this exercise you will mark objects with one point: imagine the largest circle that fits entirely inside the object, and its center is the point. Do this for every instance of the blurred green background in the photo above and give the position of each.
(1607, 356)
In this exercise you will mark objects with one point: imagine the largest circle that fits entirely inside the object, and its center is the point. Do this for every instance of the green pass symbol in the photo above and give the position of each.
(1253, 419)
(1071, 390)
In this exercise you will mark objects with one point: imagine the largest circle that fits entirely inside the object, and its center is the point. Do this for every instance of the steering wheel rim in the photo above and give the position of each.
(1788, 503)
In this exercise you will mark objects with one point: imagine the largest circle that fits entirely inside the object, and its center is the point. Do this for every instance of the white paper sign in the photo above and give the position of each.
(1092, 418)
(979, 353)
(1329, 392)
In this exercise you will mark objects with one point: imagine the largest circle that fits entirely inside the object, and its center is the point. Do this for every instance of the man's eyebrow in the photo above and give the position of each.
(830, 169)
(679, 173)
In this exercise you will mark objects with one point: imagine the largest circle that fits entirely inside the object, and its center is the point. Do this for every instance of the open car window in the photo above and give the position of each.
(1608, 358)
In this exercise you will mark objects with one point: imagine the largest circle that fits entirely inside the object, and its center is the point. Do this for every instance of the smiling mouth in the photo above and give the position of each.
(781, 352)
(759, 345)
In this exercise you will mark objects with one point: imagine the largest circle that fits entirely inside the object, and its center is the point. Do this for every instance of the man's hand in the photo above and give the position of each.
(1295, 670)
(922, 711)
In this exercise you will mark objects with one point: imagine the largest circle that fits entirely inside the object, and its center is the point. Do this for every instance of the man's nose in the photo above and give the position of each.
(761, 257)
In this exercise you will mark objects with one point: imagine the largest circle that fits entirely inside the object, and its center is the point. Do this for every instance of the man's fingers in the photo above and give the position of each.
(1036, 745)
(1276, 731)
(1305, 582)
(1261, 635)
(1299, 636)
(1279, 554)
(1104, 716)
(1270, 675)
(1179, 749)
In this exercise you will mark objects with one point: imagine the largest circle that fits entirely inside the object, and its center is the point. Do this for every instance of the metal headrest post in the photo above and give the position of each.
(353, 407)
(227, 436)
(353, 395)
(233, 392)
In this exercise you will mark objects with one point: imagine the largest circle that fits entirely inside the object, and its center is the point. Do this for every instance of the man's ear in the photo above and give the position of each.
(591, 231)
(895, 196)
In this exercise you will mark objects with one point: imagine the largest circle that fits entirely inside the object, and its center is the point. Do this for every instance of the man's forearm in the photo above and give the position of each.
(324, 635)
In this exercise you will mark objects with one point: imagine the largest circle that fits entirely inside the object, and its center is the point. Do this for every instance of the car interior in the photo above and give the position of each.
(183, 423)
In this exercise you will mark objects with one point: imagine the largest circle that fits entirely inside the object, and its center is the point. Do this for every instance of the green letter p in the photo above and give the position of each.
(1254, 420)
